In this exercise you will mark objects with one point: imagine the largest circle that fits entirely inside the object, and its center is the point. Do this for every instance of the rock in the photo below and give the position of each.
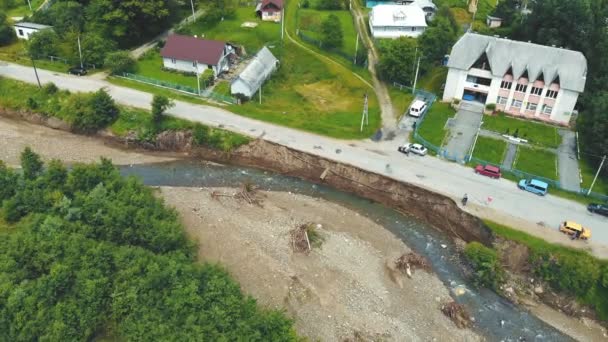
(444, 246)
(538, 290)
(510, 290)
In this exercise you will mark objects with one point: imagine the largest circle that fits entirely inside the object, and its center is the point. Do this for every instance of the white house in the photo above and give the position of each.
(523, 79)
(257, 71)
(394, 21)
(269, 10)
(191, 54)
(24, 30)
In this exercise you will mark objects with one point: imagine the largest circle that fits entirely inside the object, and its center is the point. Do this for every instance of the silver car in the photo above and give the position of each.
(414, 148)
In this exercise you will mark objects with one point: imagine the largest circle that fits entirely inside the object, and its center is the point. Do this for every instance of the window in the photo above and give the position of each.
(21, 32)
(516, 104)
(506, 84)
(531, 106)
(547, 109)
(173, 60)
(552, 94)
(194, 64)
(413, 29)
(501, 100)
(536, 91)
(521, 88)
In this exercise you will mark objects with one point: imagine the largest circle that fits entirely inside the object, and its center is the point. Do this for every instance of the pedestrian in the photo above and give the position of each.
(489, 200)
(388, 168)
(465, 199)
(414, 125)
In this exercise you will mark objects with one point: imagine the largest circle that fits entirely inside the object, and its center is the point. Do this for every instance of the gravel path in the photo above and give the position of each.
(341, 290)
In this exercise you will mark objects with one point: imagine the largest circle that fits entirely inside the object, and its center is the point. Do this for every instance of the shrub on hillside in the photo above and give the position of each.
(487, 269)
(119, 62)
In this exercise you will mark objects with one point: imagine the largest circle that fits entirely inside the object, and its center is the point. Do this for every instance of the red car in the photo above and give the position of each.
(488, 170)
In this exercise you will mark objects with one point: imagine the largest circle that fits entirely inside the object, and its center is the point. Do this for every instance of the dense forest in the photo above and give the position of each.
(86, 253)
(577, 25)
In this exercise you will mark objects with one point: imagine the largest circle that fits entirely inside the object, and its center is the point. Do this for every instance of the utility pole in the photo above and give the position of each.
(80, 52)
(364, 116)
(36, 72)
(416, 77)
(282, 23)
(192, 4)
(414, 61)
(356, 48)
(198, 79)
(29, 4)
(596, 174)
(260, 92)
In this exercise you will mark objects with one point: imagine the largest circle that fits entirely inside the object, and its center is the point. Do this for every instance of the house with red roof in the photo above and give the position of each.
(269, 10)
(195, 55)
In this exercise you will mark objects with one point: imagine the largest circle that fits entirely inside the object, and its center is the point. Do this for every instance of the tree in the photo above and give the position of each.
(437, 40)
(7, 34)
(31, 164)
(160, 104)
(95, 48)
(66, 16)
(91, 112)
(331, 32)
(43, 43)
(593, 126)
(397, 60)
(119, 62)
(508, 11)
(329, 5)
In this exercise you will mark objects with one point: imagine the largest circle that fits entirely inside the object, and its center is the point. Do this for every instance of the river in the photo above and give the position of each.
(495, 318)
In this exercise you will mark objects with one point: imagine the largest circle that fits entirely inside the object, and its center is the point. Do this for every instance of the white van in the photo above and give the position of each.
(417, 108)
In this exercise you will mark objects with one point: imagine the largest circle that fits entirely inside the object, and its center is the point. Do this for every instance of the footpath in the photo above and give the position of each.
(450, 179)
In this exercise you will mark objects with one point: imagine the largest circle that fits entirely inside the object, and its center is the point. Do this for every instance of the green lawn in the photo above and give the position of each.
(309, 23)
(490, 150)
(588, 172)
(536, 133)
(537, 162)
(23, 10)
(432, 128)
(222, 88)
(253, 39)
(401, 100)
(151, 65)
(433, 80)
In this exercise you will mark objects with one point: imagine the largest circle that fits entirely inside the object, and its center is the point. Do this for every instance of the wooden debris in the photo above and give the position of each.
(324, 174)
(299, 240)
(457, 314)
(411, 261)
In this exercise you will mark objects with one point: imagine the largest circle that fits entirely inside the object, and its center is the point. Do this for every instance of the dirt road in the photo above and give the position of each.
(342, 289)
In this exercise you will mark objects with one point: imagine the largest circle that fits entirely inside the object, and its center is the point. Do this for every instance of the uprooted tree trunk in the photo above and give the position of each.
(457, 314)
(247, 192)
(299, 239)
(411, 261)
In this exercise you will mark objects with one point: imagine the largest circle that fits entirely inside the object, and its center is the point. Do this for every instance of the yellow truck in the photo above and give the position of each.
(575, 230)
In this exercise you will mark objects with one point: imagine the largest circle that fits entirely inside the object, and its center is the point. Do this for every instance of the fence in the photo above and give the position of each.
(443, 153)
(181, 88)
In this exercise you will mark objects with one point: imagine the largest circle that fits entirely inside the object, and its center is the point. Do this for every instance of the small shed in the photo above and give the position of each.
(24, 29)
(493, 22)
(255, 74)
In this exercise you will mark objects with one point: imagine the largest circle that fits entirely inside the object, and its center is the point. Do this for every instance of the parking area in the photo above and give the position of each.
(462, 130)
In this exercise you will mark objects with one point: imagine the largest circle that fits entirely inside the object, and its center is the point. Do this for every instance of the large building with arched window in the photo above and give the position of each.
(523, 79)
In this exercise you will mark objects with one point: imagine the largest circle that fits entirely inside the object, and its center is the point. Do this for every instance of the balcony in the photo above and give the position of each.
(476, 87)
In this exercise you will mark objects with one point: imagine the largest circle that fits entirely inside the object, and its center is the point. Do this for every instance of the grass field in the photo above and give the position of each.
(432, 128)
(401, 100)
(490, 150)
(222, 88)
(536, 133)
(23, 10)
(151, 65)
(309, 23)
(588, 172)
(16, 53)
(433, 80)
(537, 162)
(253, 39)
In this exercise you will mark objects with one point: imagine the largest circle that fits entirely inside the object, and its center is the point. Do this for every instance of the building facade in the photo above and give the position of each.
(522, 79)
(24, 30)
(394, 21)
(269, 10)
(194, 55)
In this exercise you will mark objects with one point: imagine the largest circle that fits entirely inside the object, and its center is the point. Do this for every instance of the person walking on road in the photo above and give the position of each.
(465, 199)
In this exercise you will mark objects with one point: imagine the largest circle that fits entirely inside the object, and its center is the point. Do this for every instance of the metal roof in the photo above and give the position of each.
(397, 16)
(258, 70)
(539, 183)
(550, 62)
(187, 48)
(33, 26)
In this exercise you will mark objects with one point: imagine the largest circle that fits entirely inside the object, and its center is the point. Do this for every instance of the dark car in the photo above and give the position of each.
(601, 209)
(488, 170)
(77, 71)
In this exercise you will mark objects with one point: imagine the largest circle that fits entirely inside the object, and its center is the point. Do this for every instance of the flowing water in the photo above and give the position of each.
(495, 318)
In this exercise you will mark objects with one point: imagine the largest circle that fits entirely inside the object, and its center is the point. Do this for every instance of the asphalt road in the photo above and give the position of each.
(431, 173)
(569, 175)
(463, 129)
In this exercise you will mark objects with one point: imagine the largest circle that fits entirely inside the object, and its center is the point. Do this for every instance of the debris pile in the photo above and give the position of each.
(457, 314)
(412, 261)
(299, 239)
(247, 192)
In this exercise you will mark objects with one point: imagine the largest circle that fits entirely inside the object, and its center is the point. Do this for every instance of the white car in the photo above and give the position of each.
(417, 108)
(414, 148)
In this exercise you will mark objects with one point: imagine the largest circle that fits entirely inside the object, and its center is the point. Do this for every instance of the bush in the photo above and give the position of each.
(485, 263)
(456, 101)
(491, 106)
(50, 88)
(207, 78)
(200, 134)
(119, 62)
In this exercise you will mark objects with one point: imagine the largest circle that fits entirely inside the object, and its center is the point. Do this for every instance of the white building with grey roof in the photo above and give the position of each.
(24, 30)
(255, 74)
(523, 79)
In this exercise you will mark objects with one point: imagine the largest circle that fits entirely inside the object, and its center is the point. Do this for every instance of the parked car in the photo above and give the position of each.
(417, 108)
(77, 71)
(575, 230)
(601, 209)
(414, 148)
(534, 186)
(488, 170)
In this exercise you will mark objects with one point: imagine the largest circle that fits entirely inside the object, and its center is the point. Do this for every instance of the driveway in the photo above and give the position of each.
(463, 128)
(569, 175)
(430, 173)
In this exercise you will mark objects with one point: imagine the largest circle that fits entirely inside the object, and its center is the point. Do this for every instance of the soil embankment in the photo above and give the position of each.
(341, 290)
